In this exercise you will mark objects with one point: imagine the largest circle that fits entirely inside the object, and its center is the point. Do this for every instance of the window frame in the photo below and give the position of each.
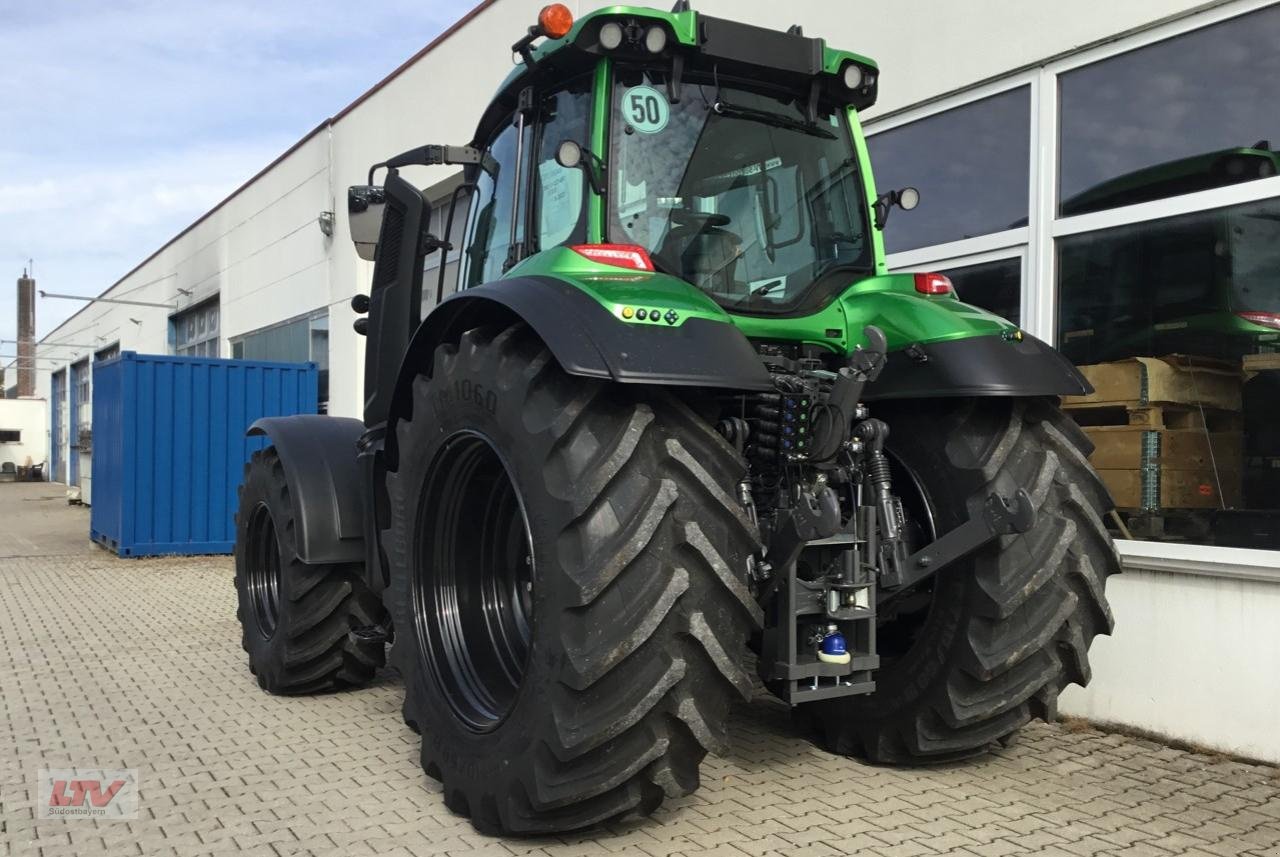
(1057, 226)
(999, 254)
(1037, 242)
(940, 106)
(1019, 241)
(192, 311)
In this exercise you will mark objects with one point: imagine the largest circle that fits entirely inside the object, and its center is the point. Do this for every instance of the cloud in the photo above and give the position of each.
(127, 121)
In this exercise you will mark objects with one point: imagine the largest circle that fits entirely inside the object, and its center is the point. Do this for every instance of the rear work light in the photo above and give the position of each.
(933, 284)
(1266, 319)
(619, 255)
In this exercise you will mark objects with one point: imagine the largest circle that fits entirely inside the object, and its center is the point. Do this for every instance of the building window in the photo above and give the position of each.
(80, 374)
(971, 165)
(109, 353)
(993, 286)
(1196, 111)
(1177, 323)
(195, 331)
(300, 340)
(10, 436)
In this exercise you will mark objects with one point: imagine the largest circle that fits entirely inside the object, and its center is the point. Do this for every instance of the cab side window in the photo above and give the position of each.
(493, 205)
(559, 192)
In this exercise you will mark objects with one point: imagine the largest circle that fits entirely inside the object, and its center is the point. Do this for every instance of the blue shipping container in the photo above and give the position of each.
(169, 447)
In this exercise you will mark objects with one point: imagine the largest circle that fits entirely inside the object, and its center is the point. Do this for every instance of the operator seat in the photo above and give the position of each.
(704, 252)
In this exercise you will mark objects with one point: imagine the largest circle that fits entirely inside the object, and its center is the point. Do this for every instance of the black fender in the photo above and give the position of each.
(978, 366)
(326, 488)
(588, 341)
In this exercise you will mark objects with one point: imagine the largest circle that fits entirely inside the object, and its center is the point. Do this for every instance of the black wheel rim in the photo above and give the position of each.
(263, 571)
(473, 580)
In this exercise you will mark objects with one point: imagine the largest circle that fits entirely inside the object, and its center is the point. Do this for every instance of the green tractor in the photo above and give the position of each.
(677, 430)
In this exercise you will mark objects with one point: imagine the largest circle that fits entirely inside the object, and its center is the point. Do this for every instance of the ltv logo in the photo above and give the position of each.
(88, 793)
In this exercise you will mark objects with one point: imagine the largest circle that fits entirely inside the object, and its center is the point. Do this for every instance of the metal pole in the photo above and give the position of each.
(51, 344)
(104, 300)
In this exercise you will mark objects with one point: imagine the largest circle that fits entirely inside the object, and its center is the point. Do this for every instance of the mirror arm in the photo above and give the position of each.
(675, 83)
(582, 159)
(429, 156)
(882, 207)
(594, 168)
(524, 46)
(811, 108)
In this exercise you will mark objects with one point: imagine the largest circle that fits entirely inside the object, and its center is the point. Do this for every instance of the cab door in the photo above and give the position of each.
(524, 201)
(495, 227)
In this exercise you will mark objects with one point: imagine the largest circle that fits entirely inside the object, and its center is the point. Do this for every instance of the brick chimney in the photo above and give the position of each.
(26, 335)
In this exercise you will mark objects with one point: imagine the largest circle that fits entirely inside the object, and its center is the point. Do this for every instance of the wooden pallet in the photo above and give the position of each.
(1165, 469)
(1252, 364)
(1166, 489)
(1153, 416)
(1176, 380)
(1195, 525)
(1125, 447)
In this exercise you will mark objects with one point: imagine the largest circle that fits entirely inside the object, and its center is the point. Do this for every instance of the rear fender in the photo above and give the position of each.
(941, 347)
(326, 490)
(588, 341)
(1018, 365)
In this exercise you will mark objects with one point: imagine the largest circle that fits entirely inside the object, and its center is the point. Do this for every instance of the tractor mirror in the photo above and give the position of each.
(569, 154)
(364, 216)
(906, 199)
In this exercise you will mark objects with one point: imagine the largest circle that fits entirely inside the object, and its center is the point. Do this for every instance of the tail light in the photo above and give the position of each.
(1266, 319)
(933, 284)
(630, 256)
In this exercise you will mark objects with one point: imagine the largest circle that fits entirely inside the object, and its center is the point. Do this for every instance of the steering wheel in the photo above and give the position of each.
(699, 219)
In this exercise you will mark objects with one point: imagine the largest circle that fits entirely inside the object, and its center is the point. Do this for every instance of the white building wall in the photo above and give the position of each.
(1193, 657)
(31, 418)
(263, 251)
(928, 49)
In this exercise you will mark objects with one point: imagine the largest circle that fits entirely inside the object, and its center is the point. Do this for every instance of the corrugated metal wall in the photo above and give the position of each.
(170, 446)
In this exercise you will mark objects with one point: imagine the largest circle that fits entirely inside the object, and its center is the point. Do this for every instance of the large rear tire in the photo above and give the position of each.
(568, 570)
(989, 643)
(296, 619)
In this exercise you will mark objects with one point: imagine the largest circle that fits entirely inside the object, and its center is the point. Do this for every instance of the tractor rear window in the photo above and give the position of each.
(736, 192)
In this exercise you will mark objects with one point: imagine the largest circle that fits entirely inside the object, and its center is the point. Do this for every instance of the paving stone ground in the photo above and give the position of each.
(111, 663)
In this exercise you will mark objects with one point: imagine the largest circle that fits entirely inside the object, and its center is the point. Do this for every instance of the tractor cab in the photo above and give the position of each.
(725, 155)
(720, 165)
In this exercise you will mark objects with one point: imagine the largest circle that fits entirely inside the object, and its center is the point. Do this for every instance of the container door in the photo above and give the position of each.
(57, 432)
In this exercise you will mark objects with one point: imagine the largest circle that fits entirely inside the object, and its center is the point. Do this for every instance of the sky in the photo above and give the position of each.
(121, 123)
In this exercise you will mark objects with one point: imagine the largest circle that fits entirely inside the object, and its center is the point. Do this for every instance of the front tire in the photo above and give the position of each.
(990, 642)
(568, 572)
(296, 619)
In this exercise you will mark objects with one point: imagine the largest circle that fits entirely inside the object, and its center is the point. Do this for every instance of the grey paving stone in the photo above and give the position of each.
(113, 663)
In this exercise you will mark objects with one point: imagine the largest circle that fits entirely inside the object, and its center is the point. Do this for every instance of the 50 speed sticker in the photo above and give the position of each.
(646, 109)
